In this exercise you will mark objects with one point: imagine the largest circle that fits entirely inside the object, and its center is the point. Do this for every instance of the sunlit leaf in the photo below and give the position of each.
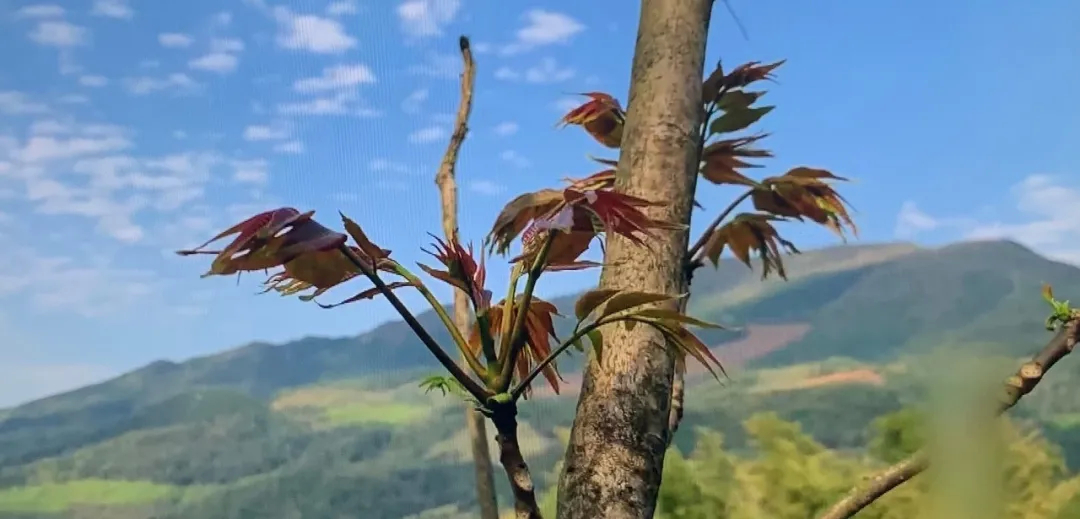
(803, 193)
(748, 73)
(602, 117)
(591, 300)
(628, 300)
(748, 233)
(519, 213)
(462, 270)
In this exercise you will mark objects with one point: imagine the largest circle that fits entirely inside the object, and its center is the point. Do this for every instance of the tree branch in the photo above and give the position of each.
(478, 392)
(1016, 387)
(446, 181)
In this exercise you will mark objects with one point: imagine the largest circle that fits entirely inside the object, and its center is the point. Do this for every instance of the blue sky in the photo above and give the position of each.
(129, 129)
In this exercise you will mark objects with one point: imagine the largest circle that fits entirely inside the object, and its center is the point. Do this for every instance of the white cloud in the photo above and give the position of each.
(336, 77)
(543, 28)
(256, 133)
(59, 34)
(40, 11)
(18, 103)
(340, 103)
(222, 56)
(387, 165)
(515, 159)
(40, 149)
(505, 129)
(311, 33)
(341, 8)
(113, 9)
(93, 81)
(291, 147)
(219, 62)
(547, 71)
(250, 172)
(86, 287)
(1048, 221)
(226, 45)
(486, 187)
(421, 18)
(178, 82)
(413, 103)
(428, 134)
(174, 40)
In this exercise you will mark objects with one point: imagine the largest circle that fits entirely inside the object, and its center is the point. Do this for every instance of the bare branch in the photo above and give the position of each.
(1016, 386)
(446, 180)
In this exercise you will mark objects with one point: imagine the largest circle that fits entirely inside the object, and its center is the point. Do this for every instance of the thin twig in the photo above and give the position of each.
(1016, 386)
(517, 333)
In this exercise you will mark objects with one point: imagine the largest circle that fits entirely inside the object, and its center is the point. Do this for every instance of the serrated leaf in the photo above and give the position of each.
(738, 119)
(590, 301)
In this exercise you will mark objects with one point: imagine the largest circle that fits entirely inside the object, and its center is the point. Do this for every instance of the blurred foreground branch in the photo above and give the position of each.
(1016, 386)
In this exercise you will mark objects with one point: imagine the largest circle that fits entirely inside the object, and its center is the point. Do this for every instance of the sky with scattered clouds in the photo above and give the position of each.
(131, 128)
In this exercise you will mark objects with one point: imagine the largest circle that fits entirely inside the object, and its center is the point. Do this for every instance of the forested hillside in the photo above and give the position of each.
(306, 429)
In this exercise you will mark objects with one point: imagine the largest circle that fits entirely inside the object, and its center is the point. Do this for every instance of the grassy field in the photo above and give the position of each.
(57, 497)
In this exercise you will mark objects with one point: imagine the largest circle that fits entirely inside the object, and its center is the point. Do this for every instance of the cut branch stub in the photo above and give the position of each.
(751, 232)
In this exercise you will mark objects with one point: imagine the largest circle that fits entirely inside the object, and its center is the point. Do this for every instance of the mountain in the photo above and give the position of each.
(328, 425)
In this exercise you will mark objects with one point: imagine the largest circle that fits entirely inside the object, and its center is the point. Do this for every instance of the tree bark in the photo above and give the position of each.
(446, 180)
(616, 452)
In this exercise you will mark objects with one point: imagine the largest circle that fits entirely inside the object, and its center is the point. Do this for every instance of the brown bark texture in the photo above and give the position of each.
(1016, 387)
(517, 471)
(446, 181)
(616, 451)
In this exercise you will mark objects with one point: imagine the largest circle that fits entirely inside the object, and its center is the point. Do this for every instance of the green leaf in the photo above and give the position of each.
(738, 100)
(445, 385)
(597, 341)
(739, 119)
(589, 301)
(627, 300)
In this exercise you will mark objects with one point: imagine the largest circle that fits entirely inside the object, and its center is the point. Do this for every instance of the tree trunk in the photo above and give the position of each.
(616, 452)
(446, 180)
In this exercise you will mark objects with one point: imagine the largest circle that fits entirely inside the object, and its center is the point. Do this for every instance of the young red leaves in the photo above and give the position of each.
(538, 332)
(579, 212)
(603, 306)
(267, 240)
(309, 254)
(462, 271)
(804, 193)
(602, 117)
(748, 233)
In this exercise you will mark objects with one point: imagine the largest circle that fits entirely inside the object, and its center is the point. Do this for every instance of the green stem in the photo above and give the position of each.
(487, 344)
(517, 333)
(478, 392)
(440, 311)
(519, 390)
(508, 313)
(695, 250)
